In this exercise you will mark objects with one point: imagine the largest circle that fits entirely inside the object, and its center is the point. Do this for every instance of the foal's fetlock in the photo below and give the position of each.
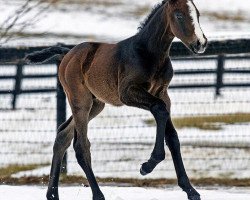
(149, 166)
(191, 192)
(193, 195)
(52, 194)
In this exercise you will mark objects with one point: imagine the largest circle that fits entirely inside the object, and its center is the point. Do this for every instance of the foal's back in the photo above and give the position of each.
(94, 67)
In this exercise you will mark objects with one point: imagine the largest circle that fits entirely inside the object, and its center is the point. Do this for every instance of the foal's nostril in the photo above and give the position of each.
(198, 44)
(197, 47)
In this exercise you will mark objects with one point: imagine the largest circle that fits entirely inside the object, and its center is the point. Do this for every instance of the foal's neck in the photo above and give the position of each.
(156, 37)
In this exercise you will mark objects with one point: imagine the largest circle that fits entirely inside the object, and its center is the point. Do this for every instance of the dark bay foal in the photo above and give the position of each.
(134, 72)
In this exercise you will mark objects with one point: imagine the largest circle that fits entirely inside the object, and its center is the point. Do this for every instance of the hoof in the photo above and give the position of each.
(142, 172)
(52, 194)
(146, 168)
(99, 197)
(52, 197)
(195, 197)
(149, 166)
(193, 194)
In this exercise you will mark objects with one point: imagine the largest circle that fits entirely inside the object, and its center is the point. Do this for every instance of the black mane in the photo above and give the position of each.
(149, 17)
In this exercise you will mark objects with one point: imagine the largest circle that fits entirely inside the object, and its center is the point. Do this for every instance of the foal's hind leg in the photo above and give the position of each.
(97, 107)
(62, 142)
(81, 105)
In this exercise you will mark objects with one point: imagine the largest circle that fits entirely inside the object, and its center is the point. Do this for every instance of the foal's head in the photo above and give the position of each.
(184, 24)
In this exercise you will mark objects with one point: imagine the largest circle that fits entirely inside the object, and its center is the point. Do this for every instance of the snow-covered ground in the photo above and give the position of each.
(121, 193)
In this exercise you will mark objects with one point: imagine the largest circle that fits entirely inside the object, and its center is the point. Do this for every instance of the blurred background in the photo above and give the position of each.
(210, 94)
(74, 21)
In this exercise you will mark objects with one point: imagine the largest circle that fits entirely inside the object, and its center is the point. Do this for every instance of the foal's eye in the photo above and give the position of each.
(179, 16)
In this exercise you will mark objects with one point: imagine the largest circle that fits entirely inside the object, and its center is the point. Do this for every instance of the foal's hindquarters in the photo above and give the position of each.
(87, 86)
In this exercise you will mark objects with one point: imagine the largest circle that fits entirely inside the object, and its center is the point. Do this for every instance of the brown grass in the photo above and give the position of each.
(47, 34)
(139, 11)
(237, 17)
(89, 2)
(207, 122)
(76, 180)
(6, 178)
(13, 169)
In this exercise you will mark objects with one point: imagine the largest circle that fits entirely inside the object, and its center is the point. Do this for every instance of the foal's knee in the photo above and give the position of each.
(64, 136)
(183, 182)
(63, 140)
(57, 147)
(159, 110)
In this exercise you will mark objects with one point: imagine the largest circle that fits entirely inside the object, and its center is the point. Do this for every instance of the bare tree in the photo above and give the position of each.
(24, 16)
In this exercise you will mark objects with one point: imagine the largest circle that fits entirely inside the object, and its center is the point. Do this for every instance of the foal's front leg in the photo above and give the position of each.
(138, 97)
(173, 143)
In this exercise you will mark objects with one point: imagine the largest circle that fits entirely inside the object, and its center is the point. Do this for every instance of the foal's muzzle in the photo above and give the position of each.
(197, 47)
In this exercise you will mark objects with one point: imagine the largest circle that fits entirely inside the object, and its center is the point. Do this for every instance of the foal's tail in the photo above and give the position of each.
(55, 53)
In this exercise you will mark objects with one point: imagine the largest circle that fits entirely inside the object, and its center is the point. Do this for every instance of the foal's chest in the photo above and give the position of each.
(161, 77)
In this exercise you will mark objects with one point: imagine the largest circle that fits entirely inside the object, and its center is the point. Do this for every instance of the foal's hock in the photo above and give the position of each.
(134, 72)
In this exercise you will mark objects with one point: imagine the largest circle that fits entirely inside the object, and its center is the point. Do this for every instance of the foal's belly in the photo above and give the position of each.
(103, 89)
(102, 76)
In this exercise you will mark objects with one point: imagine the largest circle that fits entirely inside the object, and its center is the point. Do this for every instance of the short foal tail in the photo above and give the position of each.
(55, 53)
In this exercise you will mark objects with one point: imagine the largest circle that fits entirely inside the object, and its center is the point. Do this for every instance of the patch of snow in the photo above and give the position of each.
(120, 193)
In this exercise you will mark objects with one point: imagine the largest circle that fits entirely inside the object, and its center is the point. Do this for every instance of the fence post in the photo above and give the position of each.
(220, 73)
(61, 114)
(19, 76)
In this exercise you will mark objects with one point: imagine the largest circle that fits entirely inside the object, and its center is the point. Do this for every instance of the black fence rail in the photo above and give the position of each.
(220, 72)
(240, 46)
(220, 52)
(18, 78)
